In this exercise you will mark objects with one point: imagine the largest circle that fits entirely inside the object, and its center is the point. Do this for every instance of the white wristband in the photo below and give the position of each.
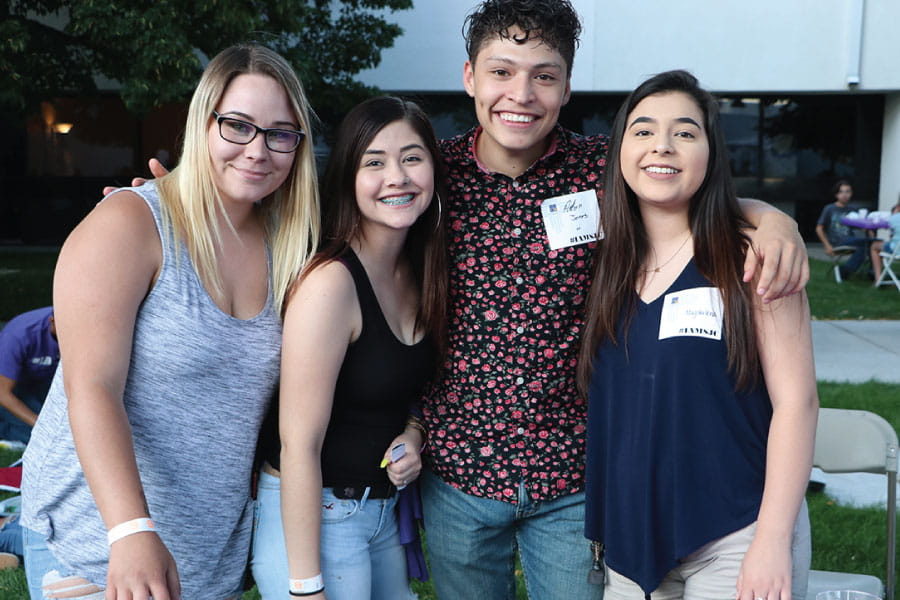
(128, 528)
(307, 587)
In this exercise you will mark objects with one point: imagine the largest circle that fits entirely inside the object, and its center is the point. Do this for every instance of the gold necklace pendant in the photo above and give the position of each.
(658, 268)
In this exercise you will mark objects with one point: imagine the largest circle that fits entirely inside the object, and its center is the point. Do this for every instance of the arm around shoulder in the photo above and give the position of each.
(778, 252)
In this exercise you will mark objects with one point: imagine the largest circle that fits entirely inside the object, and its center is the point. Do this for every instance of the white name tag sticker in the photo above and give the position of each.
(695, 312)
(571, 219)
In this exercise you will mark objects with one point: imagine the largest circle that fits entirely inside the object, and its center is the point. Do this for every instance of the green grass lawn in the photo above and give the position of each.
(856, 298)
(26, 280)
(12, 582)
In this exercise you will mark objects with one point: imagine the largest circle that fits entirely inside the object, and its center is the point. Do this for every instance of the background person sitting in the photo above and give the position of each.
(834, 233)
(29, 354)
(889, 245)
(11, 546)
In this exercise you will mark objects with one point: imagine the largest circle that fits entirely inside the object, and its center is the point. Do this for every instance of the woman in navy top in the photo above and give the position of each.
(702, 398)
(363, 332)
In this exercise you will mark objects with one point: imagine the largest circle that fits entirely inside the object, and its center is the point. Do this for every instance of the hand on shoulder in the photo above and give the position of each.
(156, 168)
(778, 255)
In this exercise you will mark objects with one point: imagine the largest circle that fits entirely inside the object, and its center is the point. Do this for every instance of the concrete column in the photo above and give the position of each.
(889, 185)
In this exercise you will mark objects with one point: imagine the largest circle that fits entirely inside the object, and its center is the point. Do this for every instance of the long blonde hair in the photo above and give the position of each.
(191, 202)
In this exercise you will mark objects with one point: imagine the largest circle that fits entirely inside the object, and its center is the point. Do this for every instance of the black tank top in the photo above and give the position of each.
(379, 380)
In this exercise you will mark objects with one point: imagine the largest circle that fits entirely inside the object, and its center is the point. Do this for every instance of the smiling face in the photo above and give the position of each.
(665, 150)
(244, 174)
(395, 179)
(518, 90)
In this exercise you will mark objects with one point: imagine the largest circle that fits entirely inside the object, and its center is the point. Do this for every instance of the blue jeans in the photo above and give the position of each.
(39, 561)
(11, 428)
(11, 537)
(268, 555)
(472, 543)
(361, 554)
(859, 255)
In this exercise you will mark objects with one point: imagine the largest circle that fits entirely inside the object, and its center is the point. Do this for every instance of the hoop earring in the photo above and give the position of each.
(355, 231)
(437, 223)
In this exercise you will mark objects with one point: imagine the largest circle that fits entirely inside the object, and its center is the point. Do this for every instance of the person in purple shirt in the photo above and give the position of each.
(29, 354)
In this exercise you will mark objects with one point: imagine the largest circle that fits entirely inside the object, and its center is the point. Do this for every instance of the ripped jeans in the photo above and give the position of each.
(48, 578)
(360, 550)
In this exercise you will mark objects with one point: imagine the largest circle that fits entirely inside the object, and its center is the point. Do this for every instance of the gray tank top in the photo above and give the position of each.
(198, 387)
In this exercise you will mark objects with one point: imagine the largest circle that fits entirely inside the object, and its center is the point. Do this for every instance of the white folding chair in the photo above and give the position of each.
(851, 441)
(840, 256)
(887, 259)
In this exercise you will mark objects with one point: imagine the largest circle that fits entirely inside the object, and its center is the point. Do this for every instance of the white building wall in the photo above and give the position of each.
(881, 45)
(731, 45)
(429, 56)
(755, 45)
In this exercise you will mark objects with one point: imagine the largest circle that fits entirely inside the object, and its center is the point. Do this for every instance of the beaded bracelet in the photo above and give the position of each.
(419, 425)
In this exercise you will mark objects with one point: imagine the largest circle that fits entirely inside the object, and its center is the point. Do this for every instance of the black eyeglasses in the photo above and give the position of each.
(242, 132)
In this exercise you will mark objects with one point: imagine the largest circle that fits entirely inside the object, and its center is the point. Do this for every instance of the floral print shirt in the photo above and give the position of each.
(505, 409)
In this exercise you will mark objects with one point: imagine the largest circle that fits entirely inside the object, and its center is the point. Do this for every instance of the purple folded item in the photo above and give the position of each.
(409, 514)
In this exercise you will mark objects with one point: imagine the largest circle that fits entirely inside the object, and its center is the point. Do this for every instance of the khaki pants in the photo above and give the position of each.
(711, 572)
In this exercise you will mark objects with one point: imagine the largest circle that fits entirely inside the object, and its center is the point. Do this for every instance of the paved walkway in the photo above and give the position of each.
(857, 351)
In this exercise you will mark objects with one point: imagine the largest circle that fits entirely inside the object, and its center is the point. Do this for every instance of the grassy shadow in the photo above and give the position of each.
(855, 298)
(26, 278)
(845, 538)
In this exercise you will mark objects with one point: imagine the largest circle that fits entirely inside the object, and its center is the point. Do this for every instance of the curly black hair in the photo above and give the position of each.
(554, 22)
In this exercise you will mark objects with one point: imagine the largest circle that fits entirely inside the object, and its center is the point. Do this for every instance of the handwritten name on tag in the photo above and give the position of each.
(695, 312)
(571, 219)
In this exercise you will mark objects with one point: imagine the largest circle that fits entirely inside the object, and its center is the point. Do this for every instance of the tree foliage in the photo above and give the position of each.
(155, 49)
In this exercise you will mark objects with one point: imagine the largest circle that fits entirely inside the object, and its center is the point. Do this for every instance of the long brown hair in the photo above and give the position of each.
(426, 242)
(716, 223)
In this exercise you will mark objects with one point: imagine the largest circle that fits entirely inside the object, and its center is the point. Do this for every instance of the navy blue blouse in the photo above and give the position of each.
(676, 457)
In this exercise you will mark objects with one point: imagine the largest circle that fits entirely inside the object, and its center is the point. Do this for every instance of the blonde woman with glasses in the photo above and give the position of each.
(168, 300)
